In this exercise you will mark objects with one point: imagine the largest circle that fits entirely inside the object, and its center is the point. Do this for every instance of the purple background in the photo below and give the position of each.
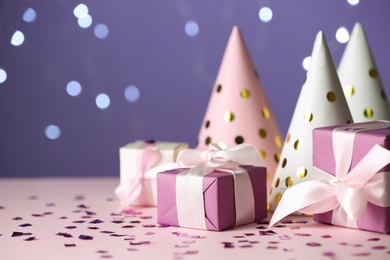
(147, 47)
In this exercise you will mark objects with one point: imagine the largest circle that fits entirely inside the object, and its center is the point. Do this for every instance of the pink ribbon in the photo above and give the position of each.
(348, 193)
(130, 190)
(189, 183)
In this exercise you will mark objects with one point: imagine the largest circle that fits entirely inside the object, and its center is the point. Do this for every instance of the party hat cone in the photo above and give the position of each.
(320, 103)
(238, 110)
(360, 80)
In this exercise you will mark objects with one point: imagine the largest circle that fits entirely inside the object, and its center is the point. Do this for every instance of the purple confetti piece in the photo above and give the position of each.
(128, 226)
(47, 213)
(90, 213)
(188, 242)
(164, 226)
(279, 226)
(191, 252)
(358, 245)
(135, 222)
(287, 221)
(117, 221)
(326, 236)
(17, 218)
(262, 222)
(254, 242)
(274, 242)
(106, 232)
(288, 249)
(37, 215)
(93, 228)
(267, 233)
(243, 241)
(137, 243)
(302, 234)
(132, 249)
(86, 237)
(261, 227)
(117, 235)
(238, 236)
(378, 247)
(295, 228)
(30, 239)
(79, 197)
(145, 217)
(82, 206)
(25, 225)
(249, 234)
(17, 234)
(313, 244)
(77, 211)
(102, 252)
(78, 221)
(96, 221)
(149, 225)
(70, 245)
(181, 246)
(374, 239)
(1, 207)
(361, 254)
(70, 227)
(116, 214)
(328, 253)
(62, 234)
(86, 217)
(272, 247)
(149, 233)
(50, 204)
(245, 246)
(197, 237)
(228, 245)
(63, 217)
(301, 222)
(284, 237)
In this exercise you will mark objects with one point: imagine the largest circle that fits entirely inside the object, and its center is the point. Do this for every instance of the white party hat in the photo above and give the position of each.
(320, 103)
(360, 80)
(238, 110)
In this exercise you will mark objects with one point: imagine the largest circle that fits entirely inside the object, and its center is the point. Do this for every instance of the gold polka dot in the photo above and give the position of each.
(278, 141)
(288, 138)
(298, 145)
(207, 125)
(245, 94)
(373, 73)
(239, 139)
(262, 133)
(269, 206)
(383, 94)
(278, 197)
(301, 172)
(308, 117)
(265, 113)
(262, 153)
(267, 175)
(277, 157)
(368, 112)
(277, 182)
(331, 96)
(349, 91)
(208, 140)
(289, 181)
(222, 145)
(228, 117)
(219, 88)
(284, 162)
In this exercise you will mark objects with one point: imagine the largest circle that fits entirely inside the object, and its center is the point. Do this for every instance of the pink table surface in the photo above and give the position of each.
(44, 219)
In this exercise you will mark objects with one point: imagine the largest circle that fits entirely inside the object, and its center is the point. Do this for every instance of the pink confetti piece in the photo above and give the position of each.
(245, 246)
(17, 218)
(93, 228)
(63, 217)
(164, 226)
(128, 226)
(288, 249)
(96, 221)
(326, 236)
(374, 239)
(267, 233)
(254, 242)
(149, 226)
(286, 221)
(30, 239)
(33, 197)
(274, 242)
(361, 254)
(106, 256)
(197, 237)
(131, 212)
(145, 217)
(313, 244)
(132, 249)
(329, 253)
(295, 228)
(70, 227)
(302, 234)
(70, 245)
(249, 234)
(137, 243)
(25, 225)
(243, 241)
(272, 247)
(378, 247)
(188, 241)
(284, 237)
(181, 246)
(358, 245)
(149, 233)
(110, 199)
(64, 234)
(238, 236)
(86, 237)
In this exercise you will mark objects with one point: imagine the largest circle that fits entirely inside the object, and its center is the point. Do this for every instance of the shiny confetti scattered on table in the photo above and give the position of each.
(78, 218)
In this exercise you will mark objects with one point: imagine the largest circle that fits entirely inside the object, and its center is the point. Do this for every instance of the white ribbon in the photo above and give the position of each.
(189, 183)
(348, 192)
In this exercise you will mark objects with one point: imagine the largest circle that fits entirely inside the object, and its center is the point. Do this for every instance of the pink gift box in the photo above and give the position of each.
(219, 198)
(375, 218)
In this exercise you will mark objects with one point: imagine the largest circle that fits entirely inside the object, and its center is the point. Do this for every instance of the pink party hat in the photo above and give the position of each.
(320, 103)
(361, 81)
(239, 111)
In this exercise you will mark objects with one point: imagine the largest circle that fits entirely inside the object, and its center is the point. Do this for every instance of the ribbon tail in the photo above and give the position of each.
(303, 197)
(128, 192)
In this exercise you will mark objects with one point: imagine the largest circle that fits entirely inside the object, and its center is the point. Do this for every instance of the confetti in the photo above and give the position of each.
(90, 213)
(284, 237)
(149, 233)
(70, 227)
(128, 226)
(374, 239)
(249, 234)
(107, 232)
(245, 246)
(238, 236)
(70, 245)
(361, 254)
(78, 221)
(117, 221)
(272, 247)
(30, 239)
(79, 197)
(64, 234)
(288, 249)
(329, 253)
(302, 234)
(378, 247)
(17, 218)
(96, 221)
(181, 246)
(63, 217)
(37, 215)
(93, 228)
(50, 204)
(313, 244)
(25, 225)
(17, 234)
(326, 236)
(85, 237)
(267, 233)
(82, 206)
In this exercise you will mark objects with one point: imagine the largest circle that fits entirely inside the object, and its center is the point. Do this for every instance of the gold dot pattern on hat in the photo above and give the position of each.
(207, 124)
(222, 145)
(278, 141)
(277, 182)
(228, 117)
(208, 140)
(298, 145)
(288, 138)
(262, 133)
(284, 162)
(219, 88)
(277, 157)
(331, 96)
(268, 206)
(308, 117)
(267, 175)
(278, 197)
(368, 112)
(289, 181)
(263, 153)
(265, 113)
(245, 94)
(349, 91)
(373, 73)
(239, 139)
(301, 172)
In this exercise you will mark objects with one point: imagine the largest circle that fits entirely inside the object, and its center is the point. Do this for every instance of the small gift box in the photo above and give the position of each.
(225, 188)
(351, 165)
(140, 162)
